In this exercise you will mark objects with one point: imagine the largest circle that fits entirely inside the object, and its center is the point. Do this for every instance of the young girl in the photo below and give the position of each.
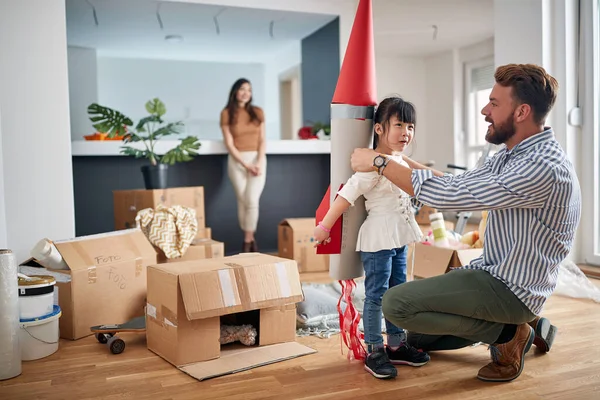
(383, 237)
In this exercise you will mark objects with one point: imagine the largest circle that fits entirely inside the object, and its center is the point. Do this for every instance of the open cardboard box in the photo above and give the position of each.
(107, 282)
(432, 260)
(189, 301)
(295, 241)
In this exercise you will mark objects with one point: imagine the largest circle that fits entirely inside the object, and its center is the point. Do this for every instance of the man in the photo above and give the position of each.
(533, 195)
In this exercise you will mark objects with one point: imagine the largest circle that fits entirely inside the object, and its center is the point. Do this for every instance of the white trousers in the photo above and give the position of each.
(248, 189)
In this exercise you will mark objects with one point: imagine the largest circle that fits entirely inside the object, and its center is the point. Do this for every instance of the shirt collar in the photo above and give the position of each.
(546, 134)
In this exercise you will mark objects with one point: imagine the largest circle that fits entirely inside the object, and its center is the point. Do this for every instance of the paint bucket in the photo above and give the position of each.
(36, 296)
(38, 337)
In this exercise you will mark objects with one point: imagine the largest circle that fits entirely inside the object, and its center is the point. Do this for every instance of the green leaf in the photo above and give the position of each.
(152, 118)
(156, 107)
(169, 129)
(184, 152)
(130, 151)
(107, 120)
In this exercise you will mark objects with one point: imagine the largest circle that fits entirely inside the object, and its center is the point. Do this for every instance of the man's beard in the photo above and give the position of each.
(501, 132)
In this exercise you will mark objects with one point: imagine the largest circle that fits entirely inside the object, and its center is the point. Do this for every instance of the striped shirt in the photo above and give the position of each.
(534, 202)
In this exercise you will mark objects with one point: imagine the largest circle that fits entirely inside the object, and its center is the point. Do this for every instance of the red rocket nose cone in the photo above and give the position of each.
(356, 83)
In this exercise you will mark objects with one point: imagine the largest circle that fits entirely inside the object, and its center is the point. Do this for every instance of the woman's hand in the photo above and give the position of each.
(252, 169)
(258, 168)
(321, 236)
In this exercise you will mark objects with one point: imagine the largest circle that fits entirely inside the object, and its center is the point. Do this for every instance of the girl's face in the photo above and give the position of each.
(244, 93)
(398, 136)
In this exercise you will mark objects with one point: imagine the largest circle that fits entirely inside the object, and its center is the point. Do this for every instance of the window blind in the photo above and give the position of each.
(482, 78)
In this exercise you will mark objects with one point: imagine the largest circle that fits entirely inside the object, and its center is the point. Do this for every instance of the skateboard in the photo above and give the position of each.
(106, 334)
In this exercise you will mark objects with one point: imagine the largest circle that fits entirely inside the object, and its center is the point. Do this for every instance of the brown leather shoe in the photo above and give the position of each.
(544, 333)
(508, 358)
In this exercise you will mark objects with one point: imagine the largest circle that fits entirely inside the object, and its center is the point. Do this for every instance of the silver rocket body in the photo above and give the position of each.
(351, 128)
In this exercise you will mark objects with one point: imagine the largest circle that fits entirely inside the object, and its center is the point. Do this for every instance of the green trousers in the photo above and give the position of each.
(454, 310)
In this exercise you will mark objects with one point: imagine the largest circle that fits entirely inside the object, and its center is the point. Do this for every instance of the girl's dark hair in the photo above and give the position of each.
(232, 103)
(393, 106)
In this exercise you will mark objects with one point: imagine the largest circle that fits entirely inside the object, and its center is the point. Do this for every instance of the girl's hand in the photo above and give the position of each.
(321, 236)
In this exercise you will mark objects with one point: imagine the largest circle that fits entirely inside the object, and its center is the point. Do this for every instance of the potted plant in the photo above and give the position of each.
(149, 130)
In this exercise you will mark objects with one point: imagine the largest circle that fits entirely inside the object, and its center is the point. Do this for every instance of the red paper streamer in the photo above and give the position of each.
(349, 320)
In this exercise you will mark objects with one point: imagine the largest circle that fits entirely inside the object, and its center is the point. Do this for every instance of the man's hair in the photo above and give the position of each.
(530, 84)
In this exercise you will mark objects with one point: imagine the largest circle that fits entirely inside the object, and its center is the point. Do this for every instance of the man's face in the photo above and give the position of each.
(499, 112)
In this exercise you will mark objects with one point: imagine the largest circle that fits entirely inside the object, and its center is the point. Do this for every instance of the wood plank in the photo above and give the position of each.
(85, 369)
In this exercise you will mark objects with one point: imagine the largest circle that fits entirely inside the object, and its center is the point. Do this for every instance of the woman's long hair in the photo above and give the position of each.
(232, 103)
(393, 106)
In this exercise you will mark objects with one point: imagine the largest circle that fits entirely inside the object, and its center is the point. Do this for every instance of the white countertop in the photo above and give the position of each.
(112, 148)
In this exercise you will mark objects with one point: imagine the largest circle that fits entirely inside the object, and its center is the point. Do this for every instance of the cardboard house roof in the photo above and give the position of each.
(248, 281)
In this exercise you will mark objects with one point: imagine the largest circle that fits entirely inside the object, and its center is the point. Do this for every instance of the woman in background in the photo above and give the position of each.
(243, 126)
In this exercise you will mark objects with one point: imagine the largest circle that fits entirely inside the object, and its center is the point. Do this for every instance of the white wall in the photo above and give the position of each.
(36, 145)
(194, 92)
(281, 62)
(406, 77)
(3, 238)
(83, 89)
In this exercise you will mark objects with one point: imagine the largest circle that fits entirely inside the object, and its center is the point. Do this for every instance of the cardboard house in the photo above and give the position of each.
(189, 301)
(127, 203)
(105, 282)
(295, 241)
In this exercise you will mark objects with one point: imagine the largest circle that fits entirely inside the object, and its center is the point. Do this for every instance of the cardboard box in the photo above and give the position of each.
(107, 280)
(200, 249)
(422, 215)
(295, 241)
(127, 203)
(432, 261)
(188, 301)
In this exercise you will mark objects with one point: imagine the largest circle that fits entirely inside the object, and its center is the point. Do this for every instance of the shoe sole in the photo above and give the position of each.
(545, 333)
(379, 376)
(525, 350)
(412, 364)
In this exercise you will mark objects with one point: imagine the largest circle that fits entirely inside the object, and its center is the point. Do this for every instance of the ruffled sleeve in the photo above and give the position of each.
(358, 184)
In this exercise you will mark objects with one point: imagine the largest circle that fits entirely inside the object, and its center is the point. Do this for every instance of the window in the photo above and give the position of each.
(590, 131)
(479, 80)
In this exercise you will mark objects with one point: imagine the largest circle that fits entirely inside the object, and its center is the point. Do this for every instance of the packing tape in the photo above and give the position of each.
(227, 287)
(138, 266)
(346, 111)
(168, 315)
(92, 274)
(150, 310)
(284, 282)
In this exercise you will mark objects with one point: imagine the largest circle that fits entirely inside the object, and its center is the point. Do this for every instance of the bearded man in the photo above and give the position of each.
(532, 193)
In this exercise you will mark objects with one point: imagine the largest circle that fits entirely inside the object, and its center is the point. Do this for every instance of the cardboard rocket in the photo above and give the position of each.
(352, 111)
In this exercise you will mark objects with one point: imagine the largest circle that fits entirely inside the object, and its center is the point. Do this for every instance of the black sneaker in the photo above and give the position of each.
(407, 355)
(378, 364)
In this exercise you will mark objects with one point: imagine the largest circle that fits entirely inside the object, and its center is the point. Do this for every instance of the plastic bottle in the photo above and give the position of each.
(48, 255)
(440, 236)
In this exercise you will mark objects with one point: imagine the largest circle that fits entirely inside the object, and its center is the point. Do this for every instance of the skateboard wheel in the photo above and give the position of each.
(101, 338)
(116, 345)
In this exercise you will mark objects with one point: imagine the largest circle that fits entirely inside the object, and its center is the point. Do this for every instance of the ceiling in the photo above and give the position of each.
(132, 28)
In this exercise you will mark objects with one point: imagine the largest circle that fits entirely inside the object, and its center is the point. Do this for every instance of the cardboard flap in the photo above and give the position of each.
(300, 224)
(238, 283)
(104, 249)
(335, 245)
(464, 257)
(237, 359)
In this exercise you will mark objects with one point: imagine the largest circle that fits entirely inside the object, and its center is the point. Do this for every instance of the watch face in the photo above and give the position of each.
(378, 161)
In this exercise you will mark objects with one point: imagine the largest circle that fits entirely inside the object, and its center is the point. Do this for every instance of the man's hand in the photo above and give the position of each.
(362, 160)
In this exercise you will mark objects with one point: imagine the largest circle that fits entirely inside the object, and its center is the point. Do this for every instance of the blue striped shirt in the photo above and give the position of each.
(534, 199)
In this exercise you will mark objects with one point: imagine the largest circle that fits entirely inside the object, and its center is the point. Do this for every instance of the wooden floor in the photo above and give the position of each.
(84, 369)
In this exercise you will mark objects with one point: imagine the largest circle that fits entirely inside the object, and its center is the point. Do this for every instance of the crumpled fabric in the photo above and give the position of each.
(171, 229)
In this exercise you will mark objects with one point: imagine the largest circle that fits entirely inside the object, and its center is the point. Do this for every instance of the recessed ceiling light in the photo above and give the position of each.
(174, 38)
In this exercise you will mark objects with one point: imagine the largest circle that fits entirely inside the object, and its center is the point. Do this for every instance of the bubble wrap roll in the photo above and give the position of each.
(10, 351)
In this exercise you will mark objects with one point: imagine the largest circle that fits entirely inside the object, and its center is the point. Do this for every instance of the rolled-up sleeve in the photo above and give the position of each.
(358, 184)
(526, 183)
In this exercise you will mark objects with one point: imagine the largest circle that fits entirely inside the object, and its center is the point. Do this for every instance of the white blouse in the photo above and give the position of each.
(390, 223)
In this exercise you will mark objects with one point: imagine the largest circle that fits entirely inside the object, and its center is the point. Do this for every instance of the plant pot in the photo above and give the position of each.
(155, 176)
